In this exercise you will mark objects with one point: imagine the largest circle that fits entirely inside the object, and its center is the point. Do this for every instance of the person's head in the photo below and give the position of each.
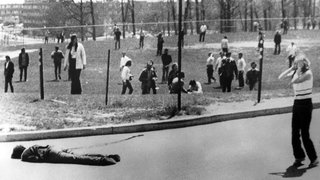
(174, 66)
(277, 32)
(74, 39)
(123, 54)
(228, 54)
(302, 63)
(149, 64)
(292, 43)
(17, 152)
(240, 55)
(23, 50)
(181, 75)
(253, 65)
(225, 37)
(128, 63)
(8, 58)
(221, 54)
(209, 54)
(192, 83)
(166, 51)
(56, 48)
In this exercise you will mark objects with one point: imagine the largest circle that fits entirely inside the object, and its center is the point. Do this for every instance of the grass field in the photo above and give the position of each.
(89, 109)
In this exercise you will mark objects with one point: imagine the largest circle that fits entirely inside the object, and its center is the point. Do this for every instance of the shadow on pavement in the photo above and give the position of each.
(292, 171)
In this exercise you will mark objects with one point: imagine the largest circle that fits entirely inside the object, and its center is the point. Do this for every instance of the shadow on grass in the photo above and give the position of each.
(292, 171)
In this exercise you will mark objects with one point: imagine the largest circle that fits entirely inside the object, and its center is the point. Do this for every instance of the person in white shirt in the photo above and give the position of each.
(195, 87)
(124, 59)
(126, 77)
(75, 60)
(210, 70)
(241, 69)
(218, 65)
(302, 82)
(203, 30)
(224, 44)
(292, 52)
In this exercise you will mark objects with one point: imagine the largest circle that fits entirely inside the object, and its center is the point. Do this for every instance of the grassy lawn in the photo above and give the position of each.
(60, 109)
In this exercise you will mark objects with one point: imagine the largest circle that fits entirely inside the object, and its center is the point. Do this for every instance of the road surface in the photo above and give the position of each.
(255, 148)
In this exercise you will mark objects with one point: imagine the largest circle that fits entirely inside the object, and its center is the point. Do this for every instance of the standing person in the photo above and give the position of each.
(182, 37)
(210, 70)
(23, 64)
(124, 59)
(252, 76)
(241, 69)
(159, 44)
(126, 78)
(46, 37)
(51, 154)
(228, 70)
(166, 60)
(76, 61)
(302, 83)
(277, 42)
(203, 30)
(57, 56)
(292, 51)
(141, 40)
(218, 66)
(147, 78)
(225, 44)
(8, 74)
(285, 25)
(172, 74)
(117, 35)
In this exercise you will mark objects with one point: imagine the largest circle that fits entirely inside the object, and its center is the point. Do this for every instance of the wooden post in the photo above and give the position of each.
(41, 74)
(261, 49)
(107, 86)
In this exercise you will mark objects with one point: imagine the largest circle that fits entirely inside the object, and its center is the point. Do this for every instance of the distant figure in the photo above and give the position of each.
(203, 30)
(210, 69)
(160, 42)
(292, 52)
(147, 78)
(225, 44)
(195, 87)
(117, 35)
(252, 76)
(126, 78)
(285, 23)
(166, 60)
(46, 37)
(241, 70)
(260, 41)
(23, 64)
(50, 154)
(172, 74)
(57, 57)
(228, 71)
(277, 42)
(76, 61)
(182, 37)
(8, 74)
(176, 86)
(141, 40)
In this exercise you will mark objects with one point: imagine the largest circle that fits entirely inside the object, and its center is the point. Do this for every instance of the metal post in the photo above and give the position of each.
(107, 86)
(41, 74)
(261, 49)
(179, 53)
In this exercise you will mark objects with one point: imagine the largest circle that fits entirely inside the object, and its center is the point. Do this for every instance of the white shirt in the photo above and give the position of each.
(292, 50)
(79, 55)
(203, 28)
(211, 60)
(125, 73)
(303, 90)
(199, 91)
(241, 64)
(224, 43)
(123, 61)
(218, 63)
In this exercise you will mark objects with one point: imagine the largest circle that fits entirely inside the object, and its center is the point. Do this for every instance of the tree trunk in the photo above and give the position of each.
(222, 17)
(174, 17)
(245, 15)
(190, 18)
(197, 17)
(186, 14)
(203, 11)
(251, 16)
(269, 15)
(265, 19)
(132, 16)
(81, 20)
(295, 13)
(123, 20)
(168, 17)
(282, 9)
(93, 21)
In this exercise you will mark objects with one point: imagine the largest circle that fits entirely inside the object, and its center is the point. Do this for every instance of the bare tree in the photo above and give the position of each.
(93, 21)
(174, 16)
(197, 17)
(168, 17)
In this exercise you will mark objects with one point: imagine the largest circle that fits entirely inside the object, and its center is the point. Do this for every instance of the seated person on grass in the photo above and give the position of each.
(51, 154)
(195, 87)
(176, 86)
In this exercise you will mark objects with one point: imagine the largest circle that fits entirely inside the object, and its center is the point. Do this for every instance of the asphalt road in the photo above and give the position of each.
(256, 148)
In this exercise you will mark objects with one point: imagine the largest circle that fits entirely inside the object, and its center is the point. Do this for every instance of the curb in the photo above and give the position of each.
(141, 127)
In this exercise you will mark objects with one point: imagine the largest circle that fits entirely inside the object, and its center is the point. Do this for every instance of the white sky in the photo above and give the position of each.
(22, 1)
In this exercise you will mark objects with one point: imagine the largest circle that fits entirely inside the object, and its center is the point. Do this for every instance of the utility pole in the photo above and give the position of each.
(261, 49)
(179, 52)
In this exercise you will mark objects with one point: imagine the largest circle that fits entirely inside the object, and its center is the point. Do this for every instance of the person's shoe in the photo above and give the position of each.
(298, 162)
(314, 163)
(115, 157)
(59, 77)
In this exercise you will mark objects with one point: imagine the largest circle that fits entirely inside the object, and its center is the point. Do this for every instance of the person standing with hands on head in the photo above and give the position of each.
(57, 56)
(8, 74)
(126, 78)
(277, 42)
(292, 51)
(76, 61)
(241, 68)
(302, 82)
(166, 60)
(203, 30)
(23, 63)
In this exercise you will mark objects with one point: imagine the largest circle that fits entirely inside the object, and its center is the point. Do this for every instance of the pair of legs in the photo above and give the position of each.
(23, 70)
(210, 73)
(252, 85)
(141, 43)
(57, 70)
(241, 79)
(165, 73)
(8, 81)
(225, 50)
(125, 85)
(117, 44)
(226, 84)
(202, 36)
(75, 77)
(277, 49)
(291, 59)
(159, 49)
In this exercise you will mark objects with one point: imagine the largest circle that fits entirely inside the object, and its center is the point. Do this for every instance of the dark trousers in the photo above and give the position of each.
(66, 156)
(277, 48)
(202, 36)
(23, 69)
(117, 44)
(8, 81)
(159, 49)
(75, 77)
(226, 84)
(210, 73)
(301, 119)
(291, 59)
(252, 85)
(57, 70)
(225, 50)
(165, 73)
(241, 79)
(141, 43)
(126, 85)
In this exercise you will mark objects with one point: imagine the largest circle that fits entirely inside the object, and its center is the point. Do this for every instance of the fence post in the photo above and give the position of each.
(41, 74)
(107, 86)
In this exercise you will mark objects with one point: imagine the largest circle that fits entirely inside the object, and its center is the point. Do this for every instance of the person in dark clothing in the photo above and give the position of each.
(57, 56)
(23, 63)
(166, 60)
(172, 74)
(117, 35)
(252, 76)
(227, 71)
(141, 40)
(176, 86)
(277, 41)
(50, 154)
(182, 37)
(285, 25)
(8, 73)
(147, 78)
(159, 44)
